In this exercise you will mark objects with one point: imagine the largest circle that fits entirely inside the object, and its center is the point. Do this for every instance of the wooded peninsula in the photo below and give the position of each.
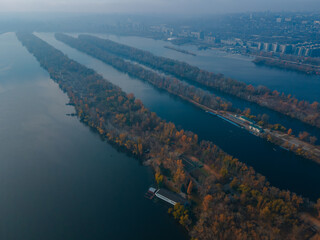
(229, 199)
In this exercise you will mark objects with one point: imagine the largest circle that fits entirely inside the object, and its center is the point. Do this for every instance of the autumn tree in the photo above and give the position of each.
(179, 177)
(181, 214)
(247, 112)
(159, 179)
(304, 135)
(250, 88)
(140, 148)
(206, 201)
(315, 105)
(190, 187)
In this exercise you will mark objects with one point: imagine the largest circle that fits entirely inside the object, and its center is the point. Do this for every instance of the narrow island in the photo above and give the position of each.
(293, 64)
(180, 50)
(228, 199)
(275, 133)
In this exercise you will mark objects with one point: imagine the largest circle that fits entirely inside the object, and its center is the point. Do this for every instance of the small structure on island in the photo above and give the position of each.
(256, 128)
(151, 192)
(170, 197)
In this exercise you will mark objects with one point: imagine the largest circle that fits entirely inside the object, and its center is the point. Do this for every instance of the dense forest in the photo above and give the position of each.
(229, 199)
(286, 104)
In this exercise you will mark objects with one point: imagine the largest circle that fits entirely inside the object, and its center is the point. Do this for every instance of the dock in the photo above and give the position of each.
(170, 197)
(240, 121)
(150, 193)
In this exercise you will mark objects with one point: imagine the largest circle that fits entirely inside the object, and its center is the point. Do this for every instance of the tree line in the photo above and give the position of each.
(283, 64)
(235, 203)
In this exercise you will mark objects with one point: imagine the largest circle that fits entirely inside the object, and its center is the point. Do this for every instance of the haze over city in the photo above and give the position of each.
(157, 6)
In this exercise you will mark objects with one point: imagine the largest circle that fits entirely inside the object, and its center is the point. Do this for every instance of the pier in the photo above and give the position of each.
(170, 197)
(165, 195)
(150, 193)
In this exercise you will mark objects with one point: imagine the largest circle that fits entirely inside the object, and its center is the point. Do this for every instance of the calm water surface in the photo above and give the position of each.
(58, 180)
(283, 169)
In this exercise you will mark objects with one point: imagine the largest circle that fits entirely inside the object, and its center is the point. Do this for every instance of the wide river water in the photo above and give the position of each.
(58, 179)
(283, 169)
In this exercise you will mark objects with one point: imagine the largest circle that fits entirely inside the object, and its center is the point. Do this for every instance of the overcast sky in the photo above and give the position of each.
(158, 6)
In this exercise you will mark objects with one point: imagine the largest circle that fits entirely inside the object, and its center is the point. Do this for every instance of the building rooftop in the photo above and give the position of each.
(171, 196)
(153, 190)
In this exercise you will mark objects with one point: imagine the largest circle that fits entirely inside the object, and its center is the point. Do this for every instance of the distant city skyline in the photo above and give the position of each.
(157, 6)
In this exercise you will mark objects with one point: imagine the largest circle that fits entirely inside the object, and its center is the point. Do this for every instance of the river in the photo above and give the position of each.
(58, 179)
(283, 169)
(240, 68)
